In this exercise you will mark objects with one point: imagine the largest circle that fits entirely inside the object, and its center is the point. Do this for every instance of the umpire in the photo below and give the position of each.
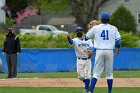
(11, 47)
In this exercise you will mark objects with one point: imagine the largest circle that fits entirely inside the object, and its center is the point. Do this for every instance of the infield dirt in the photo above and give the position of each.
(66, 82)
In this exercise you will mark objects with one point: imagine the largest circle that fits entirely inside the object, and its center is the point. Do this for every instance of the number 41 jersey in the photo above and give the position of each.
(105, 36)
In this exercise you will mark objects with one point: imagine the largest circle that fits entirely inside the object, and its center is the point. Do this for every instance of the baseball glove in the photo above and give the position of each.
(90, 53)
(93, 23)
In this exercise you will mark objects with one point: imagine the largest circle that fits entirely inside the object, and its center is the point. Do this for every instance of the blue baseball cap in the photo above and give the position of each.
(79, 29)
(105, 15)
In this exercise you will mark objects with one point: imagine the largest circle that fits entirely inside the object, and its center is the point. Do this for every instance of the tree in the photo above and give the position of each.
(83, 10)
(50, 6)
(16, 5)
(24, 14)
(123, 19)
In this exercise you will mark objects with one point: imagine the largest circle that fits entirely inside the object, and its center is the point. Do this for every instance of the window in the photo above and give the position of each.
(138, 15)
(44, 28)
(138, 18)
(41, 28)
(126, 0)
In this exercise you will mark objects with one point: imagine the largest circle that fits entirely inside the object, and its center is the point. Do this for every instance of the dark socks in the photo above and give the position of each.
(86, 81)
(110, 83)
(92, 84)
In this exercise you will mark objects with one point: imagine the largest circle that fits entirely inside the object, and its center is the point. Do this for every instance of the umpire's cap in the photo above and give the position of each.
(10, 28)
(105, 15)
(79, 29)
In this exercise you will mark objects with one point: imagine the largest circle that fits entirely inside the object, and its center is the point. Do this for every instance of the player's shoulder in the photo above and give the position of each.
(112, 26)
(75, 39)
(94, 28)
(97, 27)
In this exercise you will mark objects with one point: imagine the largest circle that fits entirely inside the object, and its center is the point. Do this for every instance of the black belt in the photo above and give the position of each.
(84, 58)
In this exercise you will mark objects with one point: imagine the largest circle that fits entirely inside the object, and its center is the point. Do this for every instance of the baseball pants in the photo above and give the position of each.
(103, 61)
(12, 65)
(84, 68)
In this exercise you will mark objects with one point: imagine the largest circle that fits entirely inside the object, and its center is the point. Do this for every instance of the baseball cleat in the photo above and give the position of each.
(85, 91)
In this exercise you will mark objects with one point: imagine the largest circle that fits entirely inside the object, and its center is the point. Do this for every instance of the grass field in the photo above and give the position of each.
(117, 74)
(63, 90)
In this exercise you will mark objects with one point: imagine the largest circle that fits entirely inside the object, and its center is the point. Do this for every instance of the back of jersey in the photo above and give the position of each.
(105, 36)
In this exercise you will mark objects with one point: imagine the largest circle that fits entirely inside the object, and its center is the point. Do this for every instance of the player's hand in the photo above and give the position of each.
(18, 53)
(68, 36)
(117, 51)
(2, 53)
(90, 53)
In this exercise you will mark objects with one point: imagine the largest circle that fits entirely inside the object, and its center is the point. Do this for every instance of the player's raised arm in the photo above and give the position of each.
(93, 23)
(90, 32)
(69, 40)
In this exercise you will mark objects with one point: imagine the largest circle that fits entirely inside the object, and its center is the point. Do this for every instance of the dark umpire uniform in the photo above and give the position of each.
(12, 49)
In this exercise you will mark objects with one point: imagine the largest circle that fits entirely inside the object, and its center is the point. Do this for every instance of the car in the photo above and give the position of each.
(43, 30)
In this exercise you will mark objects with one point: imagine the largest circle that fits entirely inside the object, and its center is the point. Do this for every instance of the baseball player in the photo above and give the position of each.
(105, 38)
(83, 50)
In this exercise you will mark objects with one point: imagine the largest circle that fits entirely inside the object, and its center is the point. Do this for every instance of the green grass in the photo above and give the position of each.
(127, 74)
(45, 75)
(123, 74)
(62, 90)
(117, 74)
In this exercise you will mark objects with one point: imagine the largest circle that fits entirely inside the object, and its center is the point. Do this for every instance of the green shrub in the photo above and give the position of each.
(123, 20)
(129, 40)
(9, 22)
(31, 41)
(48, 41)
(2, 38)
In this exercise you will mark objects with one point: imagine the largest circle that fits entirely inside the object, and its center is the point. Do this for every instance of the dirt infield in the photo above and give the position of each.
(66, 82)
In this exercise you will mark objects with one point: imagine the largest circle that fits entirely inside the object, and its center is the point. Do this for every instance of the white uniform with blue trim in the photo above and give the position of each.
(83, 62)
(105, 36)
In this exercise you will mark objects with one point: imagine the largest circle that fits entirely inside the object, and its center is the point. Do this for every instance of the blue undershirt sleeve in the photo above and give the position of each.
(92, 49)
(118, 43)
(70, 41)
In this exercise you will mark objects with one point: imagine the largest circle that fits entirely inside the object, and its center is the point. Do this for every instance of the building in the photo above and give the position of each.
(2, 12)
(58, 21)
(132, 5)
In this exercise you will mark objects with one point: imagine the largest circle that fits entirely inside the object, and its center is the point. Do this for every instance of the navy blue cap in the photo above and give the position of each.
(79, 29)
(105, 15)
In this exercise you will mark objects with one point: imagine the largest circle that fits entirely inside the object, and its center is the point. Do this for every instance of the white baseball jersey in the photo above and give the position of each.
(81, 47)
(83, 66)
(105, 36)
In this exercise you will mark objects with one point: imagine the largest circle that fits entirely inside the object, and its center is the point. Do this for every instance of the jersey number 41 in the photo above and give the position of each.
(104, 35)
